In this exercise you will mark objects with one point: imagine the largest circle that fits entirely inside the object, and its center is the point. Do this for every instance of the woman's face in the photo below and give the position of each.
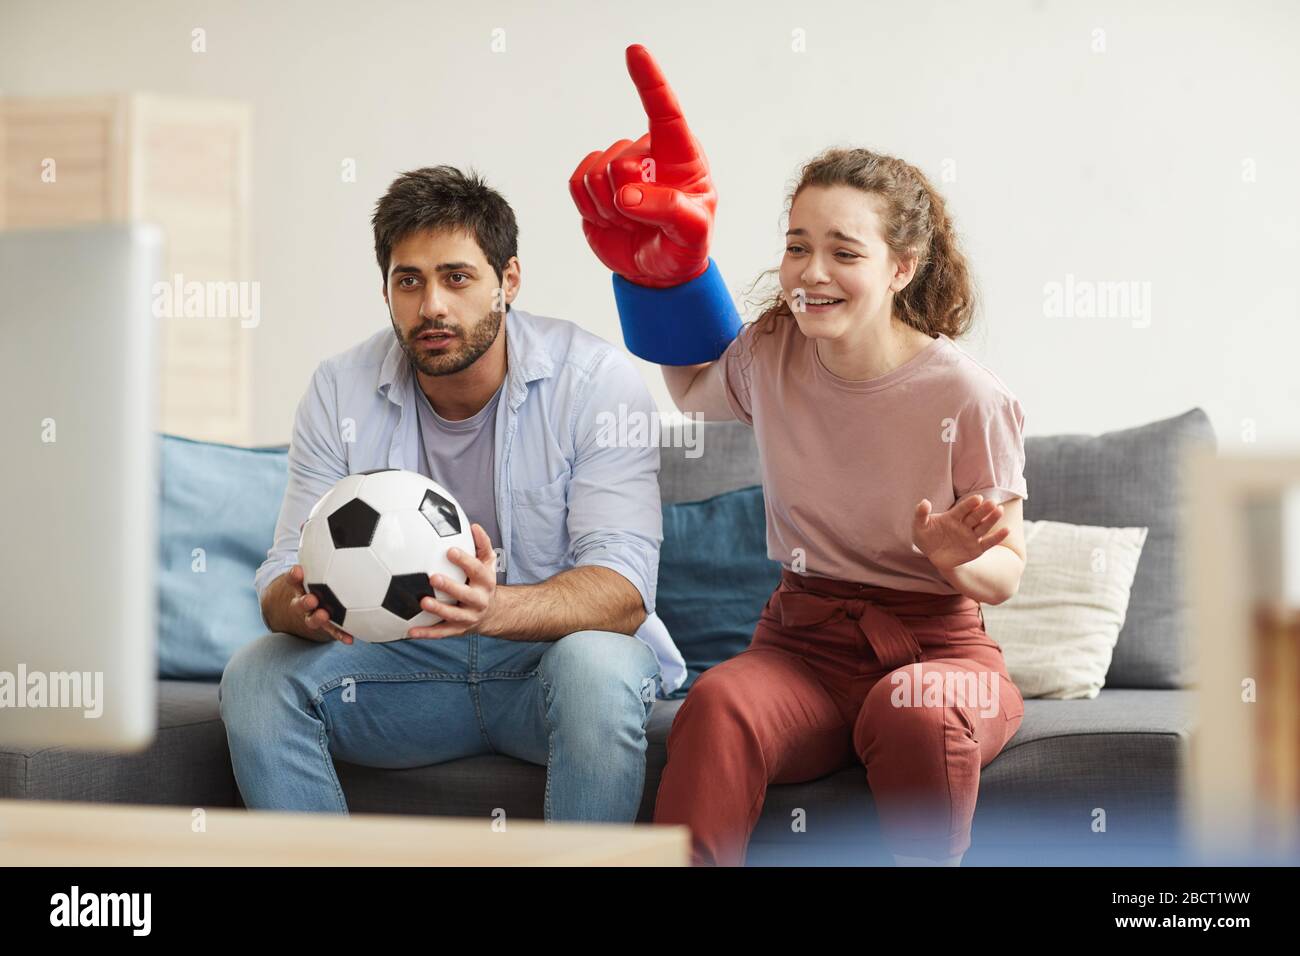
(835, 250)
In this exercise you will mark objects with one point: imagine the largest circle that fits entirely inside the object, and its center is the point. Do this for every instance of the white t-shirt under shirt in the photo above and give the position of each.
(844, 463)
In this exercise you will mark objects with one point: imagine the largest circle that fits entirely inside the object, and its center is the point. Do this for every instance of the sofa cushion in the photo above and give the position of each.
(1128, 479)
(1058, 632)
(714, 577)
(724, 458)
(188, 763)
(223, 500)
(1123, 751)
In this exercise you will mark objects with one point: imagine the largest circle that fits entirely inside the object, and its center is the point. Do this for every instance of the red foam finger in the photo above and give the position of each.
(598, 187)
(578, 188)
(670, 137)
(590, 170)
(683, 222)
(630, 168)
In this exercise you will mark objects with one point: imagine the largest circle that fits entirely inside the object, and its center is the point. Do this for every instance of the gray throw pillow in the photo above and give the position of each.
(1126, 479)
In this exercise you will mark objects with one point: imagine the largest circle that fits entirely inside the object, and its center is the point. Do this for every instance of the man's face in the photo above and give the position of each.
(444, 300)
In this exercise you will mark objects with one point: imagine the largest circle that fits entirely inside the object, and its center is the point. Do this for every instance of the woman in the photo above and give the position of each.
(892, 467)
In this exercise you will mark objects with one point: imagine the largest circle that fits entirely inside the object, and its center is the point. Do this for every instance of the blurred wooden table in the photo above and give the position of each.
(51, 833)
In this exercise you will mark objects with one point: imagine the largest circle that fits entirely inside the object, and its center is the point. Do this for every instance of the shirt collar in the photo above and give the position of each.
(527, 359)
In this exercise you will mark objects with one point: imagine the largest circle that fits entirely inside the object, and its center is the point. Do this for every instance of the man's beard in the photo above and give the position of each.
(449, 362)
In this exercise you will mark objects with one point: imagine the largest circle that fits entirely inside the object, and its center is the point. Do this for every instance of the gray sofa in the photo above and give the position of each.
(1122, 753)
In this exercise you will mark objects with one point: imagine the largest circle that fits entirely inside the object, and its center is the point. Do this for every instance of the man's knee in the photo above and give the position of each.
(260, 669)
(601, 665)
(601, 654)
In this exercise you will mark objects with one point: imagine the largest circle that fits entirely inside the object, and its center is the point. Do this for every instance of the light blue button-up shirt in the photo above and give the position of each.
(566, 495)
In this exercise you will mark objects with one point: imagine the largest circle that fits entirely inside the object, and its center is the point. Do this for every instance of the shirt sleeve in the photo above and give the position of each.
(735, 367)
(989, 452)
(316, 464)
(614, 515)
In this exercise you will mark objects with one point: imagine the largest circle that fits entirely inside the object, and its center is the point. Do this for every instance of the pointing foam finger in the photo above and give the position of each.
(670, 138)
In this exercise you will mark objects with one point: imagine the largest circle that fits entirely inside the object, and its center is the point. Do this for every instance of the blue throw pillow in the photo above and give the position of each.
(714, 577)
(217, 514)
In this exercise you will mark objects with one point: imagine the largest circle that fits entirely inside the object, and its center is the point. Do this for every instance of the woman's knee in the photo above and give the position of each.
(890, 715)
(716, 700)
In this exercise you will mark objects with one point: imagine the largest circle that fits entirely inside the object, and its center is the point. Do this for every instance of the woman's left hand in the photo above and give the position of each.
(959, 534)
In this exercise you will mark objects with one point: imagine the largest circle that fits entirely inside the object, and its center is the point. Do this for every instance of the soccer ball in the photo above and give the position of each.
(371, 542)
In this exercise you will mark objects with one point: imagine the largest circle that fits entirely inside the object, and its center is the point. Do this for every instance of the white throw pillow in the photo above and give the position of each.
(1058, 633)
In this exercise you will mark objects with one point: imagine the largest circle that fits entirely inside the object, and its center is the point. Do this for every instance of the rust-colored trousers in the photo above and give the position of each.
(906, 684)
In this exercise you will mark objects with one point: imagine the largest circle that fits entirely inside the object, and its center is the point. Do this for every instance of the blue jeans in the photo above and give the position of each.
(577, 705)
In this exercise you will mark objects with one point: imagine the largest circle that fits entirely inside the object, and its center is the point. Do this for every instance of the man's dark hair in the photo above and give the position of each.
(442, 197)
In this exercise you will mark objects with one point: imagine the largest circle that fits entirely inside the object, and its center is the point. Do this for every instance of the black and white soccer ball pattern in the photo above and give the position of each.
(370, 544)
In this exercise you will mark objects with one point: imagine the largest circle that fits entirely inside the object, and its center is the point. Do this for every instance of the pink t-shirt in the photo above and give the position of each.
(845, 463)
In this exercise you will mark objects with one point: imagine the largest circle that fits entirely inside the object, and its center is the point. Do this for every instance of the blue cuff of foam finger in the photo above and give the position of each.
(681, 325)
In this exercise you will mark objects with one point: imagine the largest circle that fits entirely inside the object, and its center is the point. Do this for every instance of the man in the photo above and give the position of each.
(536, 658)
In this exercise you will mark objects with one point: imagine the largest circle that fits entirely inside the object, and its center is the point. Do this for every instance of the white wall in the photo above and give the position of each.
(1125, 164)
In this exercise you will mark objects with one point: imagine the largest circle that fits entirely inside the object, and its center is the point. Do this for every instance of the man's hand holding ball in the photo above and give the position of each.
(307, 605)
(475, 598)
